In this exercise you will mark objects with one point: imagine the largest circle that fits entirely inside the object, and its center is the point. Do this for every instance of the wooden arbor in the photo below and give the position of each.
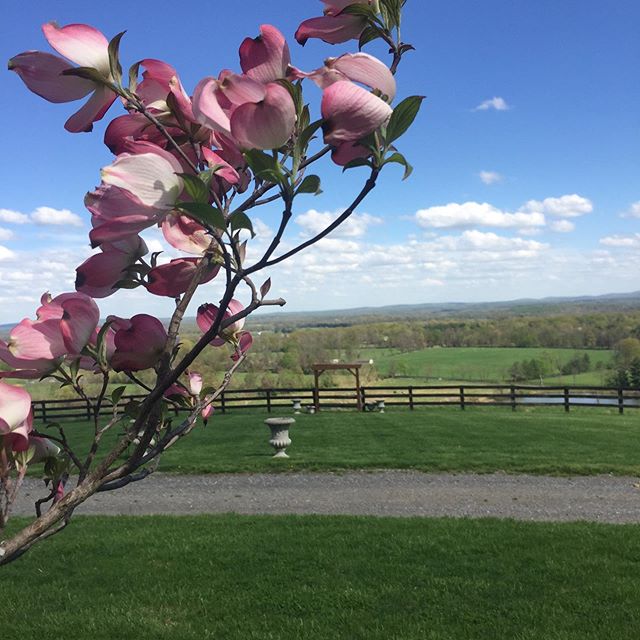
(319, 369)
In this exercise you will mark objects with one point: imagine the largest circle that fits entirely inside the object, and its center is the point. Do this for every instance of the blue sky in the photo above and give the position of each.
(532, 195)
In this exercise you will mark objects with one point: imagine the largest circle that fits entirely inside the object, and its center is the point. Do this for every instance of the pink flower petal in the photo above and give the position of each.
(267, 124)
(266, 57)
(331, 29)
(195, 383)
(150, 177)
(345, 152)
(240, 89)
(139, 345)
(42, 73)
(207, 109)
(92, 111)
(37, 340)
(361, 67)
(174, 278)
(80, 43)
(24, 368)
(351, 112)
(15, 408)
(185, 234)
(80, 319)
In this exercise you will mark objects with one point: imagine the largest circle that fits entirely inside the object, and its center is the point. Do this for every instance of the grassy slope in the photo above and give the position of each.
(481, 439)
(483, 364)
(261, 578)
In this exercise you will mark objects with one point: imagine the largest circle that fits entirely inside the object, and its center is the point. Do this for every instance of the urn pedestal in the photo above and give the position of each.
(280, 439)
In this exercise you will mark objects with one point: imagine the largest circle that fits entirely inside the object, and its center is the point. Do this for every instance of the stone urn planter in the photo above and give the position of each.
(280, 439)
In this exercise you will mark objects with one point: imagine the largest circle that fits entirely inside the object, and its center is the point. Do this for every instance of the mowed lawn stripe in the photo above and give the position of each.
(325, 577)
(537, 440)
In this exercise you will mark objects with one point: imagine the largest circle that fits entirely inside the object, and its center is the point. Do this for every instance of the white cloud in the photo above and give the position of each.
(621, 241)
(497, 103)
(5, 234)
(50, 216)
(6, 254)
(470, 214)
(569, 206)
(14, 217)
(262, 230)
(490, 177)
(633, 211)
(475, 239)
(562, 226)
(356, 225)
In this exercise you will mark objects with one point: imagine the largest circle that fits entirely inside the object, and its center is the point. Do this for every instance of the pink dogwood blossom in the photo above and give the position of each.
(64, 325)
(252, 114)
(185, 234)
(334, 27)
(139, 342)
(351, 112)
(357, 67)
(137, 191)
(16, 417)
(241, 340)
(98, 275)
(173, 279)
(265, 58)
(43, 74)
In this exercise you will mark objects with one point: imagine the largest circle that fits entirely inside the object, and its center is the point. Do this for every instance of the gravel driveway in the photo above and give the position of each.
(383, 493)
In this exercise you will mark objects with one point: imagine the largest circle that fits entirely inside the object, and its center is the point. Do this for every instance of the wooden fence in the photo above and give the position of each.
(413, 397)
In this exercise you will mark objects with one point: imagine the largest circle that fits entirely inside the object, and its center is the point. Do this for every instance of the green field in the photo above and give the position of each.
(477, 364)
(313, 578)
(540, 440)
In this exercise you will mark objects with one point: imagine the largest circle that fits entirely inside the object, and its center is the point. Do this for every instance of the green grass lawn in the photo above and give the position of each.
(540, 440)
(482, 364)
(313, 578)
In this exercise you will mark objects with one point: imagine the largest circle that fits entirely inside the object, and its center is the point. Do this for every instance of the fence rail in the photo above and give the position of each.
(413, 397)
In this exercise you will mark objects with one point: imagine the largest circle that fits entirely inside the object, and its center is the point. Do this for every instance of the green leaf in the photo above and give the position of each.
(74, 367)
(208, 215)
(240, 220)
(307, 134)
(88, 73)
(402, 117)
(295, 92)
(391, 13)
(363, 10)
(263, 165)
(134, 69)
(311, 184)
(117, 394)
(266, 286)
(195, 187)
(131, 408)
(398, 158)
(114, 57)
(357, 162)
(369, 34)
(101, 344)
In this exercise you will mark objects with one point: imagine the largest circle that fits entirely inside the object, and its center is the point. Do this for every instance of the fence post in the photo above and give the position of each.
(462, 398)
(268, 400)
(620, 401)
(43, 406)
(566, 400)
(223, 406)
(513, 398)
(363, 398)
(411, 398)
